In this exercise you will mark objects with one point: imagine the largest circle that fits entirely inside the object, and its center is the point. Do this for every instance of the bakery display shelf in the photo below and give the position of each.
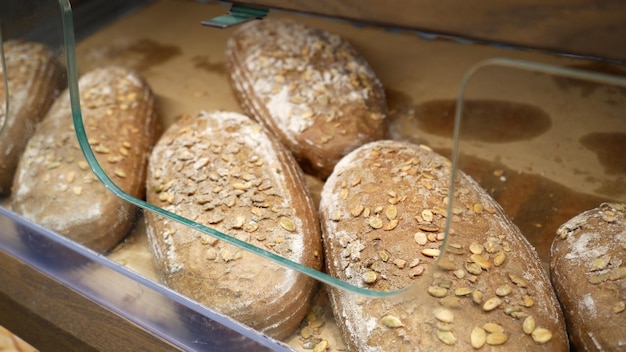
(187, 74)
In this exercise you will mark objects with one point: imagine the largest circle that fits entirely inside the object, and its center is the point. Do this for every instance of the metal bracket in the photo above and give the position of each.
(236, 15)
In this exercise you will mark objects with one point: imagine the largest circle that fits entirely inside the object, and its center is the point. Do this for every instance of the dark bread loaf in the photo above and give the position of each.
(383, 215)
(309, 87)
(588, 270)
(54, 185)
(34, 79)
(225, 171)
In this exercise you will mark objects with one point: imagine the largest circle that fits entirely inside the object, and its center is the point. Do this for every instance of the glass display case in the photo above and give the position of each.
(536, 118)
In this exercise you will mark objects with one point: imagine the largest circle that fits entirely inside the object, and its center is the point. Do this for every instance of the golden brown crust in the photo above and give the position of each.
(54, 185)
(225, 171)
(588, 270)
(383, 214)
(34, 79)
(309, 87)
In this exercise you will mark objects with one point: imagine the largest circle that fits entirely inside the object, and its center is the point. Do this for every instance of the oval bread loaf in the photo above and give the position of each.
(225, 171)
(309, 87)
(383, 215)
(54, 185)
(34, 79)
(588, 270)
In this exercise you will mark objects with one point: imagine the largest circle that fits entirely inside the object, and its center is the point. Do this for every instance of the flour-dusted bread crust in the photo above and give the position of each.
(225, 171)
(309, 87)
(382, 213)
(34, 79)
(588, 270)
(54, 185)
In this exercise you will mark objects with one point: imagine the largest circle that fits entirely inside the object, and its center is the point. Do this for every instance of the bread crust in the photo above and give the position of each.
(55, 187)
(34, 80)
(309, 87)
(225, 171)
(588, 271)
(383, 215)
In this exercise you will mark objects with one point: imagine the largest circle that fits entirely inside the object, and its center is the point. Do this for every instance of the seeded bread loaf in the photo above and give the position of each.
(309, 87)
(225, 171)
(54, 185)
(33, 77)
(588, 270)
(382, 212)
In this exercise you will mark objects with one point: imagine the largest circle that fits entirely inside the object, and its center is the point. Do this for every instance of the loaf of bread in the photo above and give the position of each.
(383, 214)
(225, 171)
(34, 79)
(309, 87)
(588, 271)
(55, 187)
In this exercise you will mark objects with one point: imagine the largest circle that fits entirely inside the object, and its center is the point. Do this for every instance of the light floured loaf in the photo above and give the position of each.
(588, 270)
(310, 87)
(34, 79)
(383, 214)
(55, 187)
(225, 171)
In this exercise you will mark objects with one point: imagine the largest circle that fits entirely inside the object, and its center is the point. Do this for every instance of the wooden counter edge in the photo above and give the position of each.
(53, 317)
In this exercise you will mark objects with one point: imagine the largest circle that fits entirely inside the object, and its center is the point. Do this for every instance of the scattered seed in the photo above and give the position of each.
(491, 304)
(375, 222)
(120, 173)
(476, 248)
(417, 271)
(391, 212)
(462, 291)
(287, 224)
(427, 215)
(321, 346)
(357, 210)
(444, 315)
(481, 261)
(473, 268)
(478, 208)
(493, 327)
(211, 254)
(503, 290)
(518, 280)
(450, 302)
(478, 337)
(383, 255)
(420, 238)
(391, 321)
(431, 252)
(496, 338)
(600, 263)
(459, 273)
(528, 326)
(391, 225)
(370, 277)
(499, 259)
(446, 264)
(400, 263)
(316, 323)
(528, 301)
(77, 190)
(477, 297)
(226, 255)
(446, 337)
(541, 335)
(437, 291)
